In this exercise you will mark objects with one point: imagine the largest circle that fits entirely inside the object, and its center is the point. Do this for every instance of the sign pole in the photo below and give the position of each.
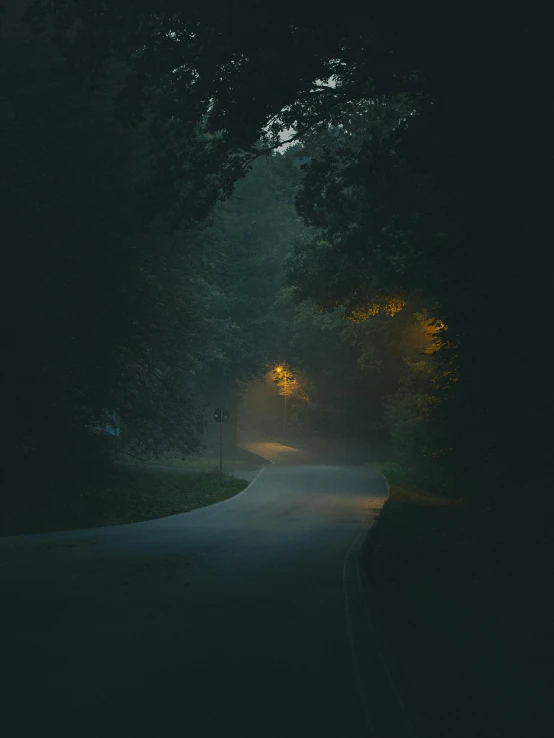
(221, 447)
(221, 415)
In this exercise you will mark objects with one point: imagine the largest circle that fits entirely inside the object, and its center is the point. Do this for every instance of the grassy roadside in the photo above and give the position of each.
(111, 496)
(465, 616)
(235, 459)
(194, 464)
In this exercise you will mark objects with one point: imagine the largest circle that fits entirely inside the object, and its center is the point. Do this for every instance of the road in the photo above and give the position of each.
(240, 619)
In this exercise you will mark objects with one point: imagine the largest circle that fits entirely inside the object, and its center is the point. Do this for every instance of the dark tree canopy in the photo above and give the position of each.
(424, 140)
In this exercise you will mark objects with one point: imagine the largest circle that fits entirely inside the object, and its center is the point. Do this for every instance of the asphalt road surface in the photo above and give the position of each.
(240, 619)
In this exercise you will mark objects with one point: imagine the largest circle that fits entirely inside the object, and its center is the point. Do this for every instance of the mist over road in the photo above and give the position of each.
(228, 620)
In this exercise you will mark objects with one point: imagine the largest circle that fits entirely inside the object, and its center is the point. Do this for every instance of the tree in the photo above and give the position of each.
(439, 198)
(107, 311)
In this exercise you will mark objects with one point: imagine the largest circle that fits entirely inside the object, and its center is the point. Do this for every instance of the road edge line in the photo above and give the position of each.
(369, 600)
(227, 499)
(358, 674)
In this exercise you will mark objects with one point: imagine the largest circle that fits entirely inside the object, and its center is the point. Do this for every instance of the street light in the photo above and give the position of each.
(283, 372)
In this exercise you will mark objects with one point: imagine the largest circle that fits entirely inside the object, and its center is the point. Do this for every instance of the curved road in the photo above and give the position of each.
(240, 619)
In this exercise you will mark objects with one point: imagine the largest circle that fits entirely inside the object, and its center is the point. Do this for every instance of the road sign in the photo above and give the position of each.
(221, 415)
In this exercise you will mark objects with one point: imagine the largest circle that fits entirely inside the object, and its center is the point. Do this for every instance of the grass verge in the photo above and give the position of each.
(465, 613)
(234, 460)
(111, 497)
(194, 464)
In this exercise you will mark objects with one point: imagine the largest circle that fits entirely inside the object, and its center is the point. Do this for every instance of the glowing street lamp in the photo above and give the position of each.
(282, 372)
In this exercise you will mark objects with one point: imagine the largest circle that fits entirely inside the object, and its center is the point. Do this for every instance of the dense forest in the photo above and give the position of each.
(161, 238)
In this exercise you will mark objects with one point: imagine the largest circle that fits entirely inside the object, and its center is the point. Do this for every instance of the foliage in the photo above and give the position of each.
(244, 244)
(155, 55)
(108, 310)
(111, 496)
(410, 419)
(420, 181)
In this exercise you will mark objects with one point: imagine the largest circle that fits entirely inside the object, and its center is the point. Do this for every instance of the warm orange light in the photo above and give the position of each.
(279, 369)
(388, 305)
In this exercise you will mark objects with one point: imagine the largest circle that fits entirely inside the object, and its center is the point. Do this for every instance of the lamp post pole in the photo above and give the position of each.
(282, 374)
(285, 413)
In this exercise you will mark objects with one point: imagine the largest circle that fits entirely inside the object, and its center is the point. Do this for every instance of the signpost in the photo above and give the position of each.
(221, 415)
